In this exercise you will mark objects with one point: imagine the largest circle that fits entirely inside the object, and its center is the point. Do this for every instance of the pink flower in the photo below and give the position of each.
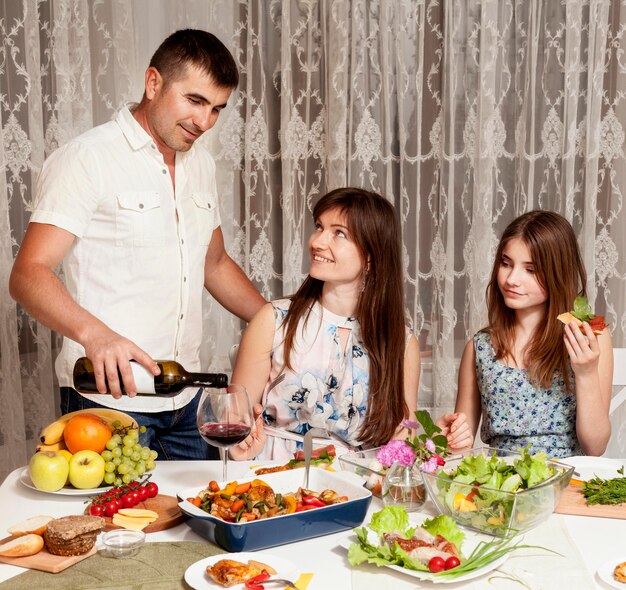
(395, 450)
(410, 424)
(440, 460)
(429, 466)
(430, 445)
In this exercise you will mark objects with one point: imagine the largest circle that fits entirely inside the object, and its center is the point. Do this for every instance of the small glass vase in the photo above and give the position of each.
(404, 486)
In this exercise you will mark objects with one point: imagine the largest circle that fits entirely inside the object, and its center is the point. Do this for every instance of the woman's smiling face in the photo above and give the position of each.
(335, 257)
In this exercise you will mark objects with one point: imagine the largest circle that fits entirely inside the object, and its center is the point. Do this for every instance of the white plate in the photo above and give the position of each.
(198, 579)
(470, 541)
(590, 467)
(605, 572)
(67, 491)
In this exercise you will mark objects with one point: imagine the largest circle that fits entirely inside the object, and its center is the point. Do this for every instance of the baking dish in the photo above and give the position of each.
(287, 528)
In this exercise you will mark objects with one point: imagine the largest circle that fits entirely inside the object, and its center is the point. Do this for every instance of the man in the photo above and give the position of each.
(131, 209)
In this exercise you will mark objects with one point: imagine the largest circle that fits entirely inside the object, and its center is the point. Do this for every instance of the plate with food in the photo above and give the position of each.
(67, 490)
(431, 549)
(322, 457)
(219, 571)
(613, 572)
(587, 468)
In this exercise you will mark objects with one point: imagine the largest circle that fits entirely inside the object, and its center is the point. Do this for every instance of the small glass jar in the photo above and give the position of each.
(404, 486)
(123, 543)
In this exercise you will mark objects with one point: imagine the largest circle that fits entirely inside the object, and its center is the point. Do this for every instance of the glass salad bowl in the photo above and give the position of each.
(364, 464)
(498, 492)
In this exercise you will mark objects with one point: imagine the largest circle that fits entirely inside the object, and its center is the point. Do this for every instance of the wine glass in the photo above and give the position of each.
(224, 418)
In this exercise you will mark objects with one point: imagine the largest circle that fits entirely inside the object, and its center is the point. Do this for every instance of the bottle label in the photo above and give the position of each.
(144, 380)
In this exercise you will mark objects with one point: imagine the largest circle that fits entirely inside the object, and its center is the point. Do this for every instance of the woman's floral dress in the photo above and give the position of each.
(326, 387)
(515, 412)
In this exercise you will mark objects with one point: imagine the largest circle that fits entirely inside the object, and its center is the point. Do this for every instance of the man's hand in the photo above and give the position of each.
(109, 353)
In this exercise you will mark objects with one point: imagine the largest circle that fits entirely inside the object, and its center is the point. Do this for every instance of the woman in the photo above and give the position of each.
(350, 364)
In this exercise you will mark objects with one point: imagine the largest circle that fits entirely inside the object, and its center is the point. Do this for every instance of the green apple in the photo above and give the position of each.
(48, 470)
(86, 469)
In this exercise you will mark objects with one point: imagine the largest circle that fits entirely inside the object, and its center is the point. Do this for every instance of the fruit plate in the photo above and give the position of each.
(66, 491)
(287, 528)
(198, 579)
(471, 540)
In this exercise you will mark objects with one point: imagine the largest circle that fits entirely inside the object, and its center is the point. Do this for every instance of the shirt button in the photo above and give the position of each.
(153, 147)
(184, 279)
(182, 241)
(141, 205)
(164, 171)
(182, 315)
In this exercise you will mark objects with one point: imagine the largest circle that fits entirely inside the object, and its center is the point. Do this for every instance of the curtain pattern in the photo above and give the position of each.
(463, 113)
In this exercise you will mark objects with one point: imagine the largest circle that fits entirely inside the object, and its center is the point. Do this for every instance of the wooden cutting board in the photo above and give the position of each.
(573, 502)
(166, 507)
(44, 561)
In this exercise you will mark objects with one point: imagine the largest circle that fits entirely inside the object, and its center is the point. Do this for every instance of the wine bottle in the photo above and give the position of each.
(169, 383)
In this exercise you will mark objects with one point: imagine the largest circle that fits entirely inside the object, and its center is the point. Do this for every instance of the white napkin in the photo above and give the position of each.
(526, 568)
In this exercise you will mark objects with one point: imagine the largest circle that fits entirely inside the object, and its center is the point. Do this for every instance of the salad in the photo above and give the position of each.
(490, 494)
(434, 548)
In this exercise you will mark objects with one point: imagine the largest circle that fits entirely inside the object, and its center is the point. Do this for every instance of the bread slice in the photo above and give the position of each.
(567, 317)
(22, 546)
(36, 525)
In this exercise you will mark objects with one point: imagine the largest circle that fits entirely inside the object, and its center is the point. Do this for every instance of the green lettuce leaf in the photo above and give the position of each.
(390, 518)
(446, 527)
(582, 310)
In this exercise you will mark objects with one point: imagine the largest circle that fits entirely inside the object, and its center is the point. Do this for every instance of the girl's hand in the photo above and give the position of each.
(254, 443)
(583, 349)
(456, 429)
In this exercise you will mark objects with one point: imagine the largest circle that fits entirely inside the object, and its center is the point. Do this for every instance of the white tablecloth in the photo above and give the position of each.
(585, 542)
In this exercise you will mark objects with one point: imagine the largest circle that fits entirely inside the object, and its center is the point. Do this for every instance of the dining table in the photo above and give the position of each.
(582, 543)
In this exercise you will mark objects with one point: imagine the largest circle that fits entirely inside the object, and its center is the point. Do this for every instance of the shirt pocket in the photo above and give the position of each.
(139, 219)
(205, 211)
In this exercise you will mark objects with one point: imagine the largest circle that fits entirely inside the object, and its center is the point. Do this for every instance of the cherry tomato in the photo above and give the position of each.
(96, 510)
(143, 493)
(127, 501)
(118, 503)
(452, 562)
(110, 508)
(153, 489)
(436, 564)
(134, 484)
(136, 496)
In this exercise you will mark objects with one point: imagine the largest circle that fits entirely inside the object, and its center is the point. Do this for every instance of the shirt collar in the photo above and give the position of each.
(135, 134)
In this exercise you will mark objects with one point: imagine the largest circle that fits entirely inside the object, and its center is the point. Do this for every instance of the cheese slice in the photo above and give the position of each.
(127, 522)
(138, 513)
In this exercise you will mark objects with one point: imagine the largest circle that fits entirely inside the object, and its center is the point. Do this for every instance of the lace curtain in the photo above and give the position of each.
(464, 113)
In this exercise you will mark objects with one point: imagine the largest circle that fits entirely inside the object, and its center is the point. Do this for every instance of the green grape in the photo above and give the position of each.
(127, 451)
(116, 461)
(126, 478)
(117, 482)
(141, 468)
(111, 444)
(133, 475)
(137, 447)
(109, 478)
(123, 469)
(150, 465)
(128, 441)
(109, 467)
(145, 453)
(116, 424)
(117, 438)
(106, 455)
(116, 452)
(153, 454)
(135, 456)
(142, 429)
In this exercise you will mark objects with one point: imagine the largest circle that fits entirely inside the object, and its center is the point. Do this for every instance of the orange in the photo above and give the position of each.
(86, 431)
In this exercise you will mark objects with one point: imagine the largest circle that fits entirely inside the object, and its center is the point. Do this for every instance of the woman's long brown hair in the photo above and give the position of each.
(372, 222)
(560, 271)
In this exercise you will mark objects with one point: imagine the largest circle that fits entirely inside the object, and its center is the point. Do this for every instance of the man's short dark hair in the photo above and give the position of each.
(200, 49)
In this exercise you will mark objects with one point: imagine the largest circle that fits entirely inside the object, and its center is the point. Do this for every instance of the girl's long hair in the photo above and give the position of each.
(560, 271)
(372, 222)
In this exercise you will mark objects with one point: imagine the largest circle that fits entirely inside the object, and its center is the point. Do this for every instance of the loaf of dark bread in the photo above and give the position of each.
(72, 535)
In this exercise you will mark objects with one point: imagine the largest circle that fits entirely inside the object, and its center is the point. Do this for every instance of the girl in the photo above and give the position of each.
(337, 355)
(532, 383)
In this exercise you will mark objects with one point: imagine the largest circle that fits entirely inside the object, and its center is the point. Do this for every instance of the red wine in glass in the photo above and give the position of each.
(223, 434)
